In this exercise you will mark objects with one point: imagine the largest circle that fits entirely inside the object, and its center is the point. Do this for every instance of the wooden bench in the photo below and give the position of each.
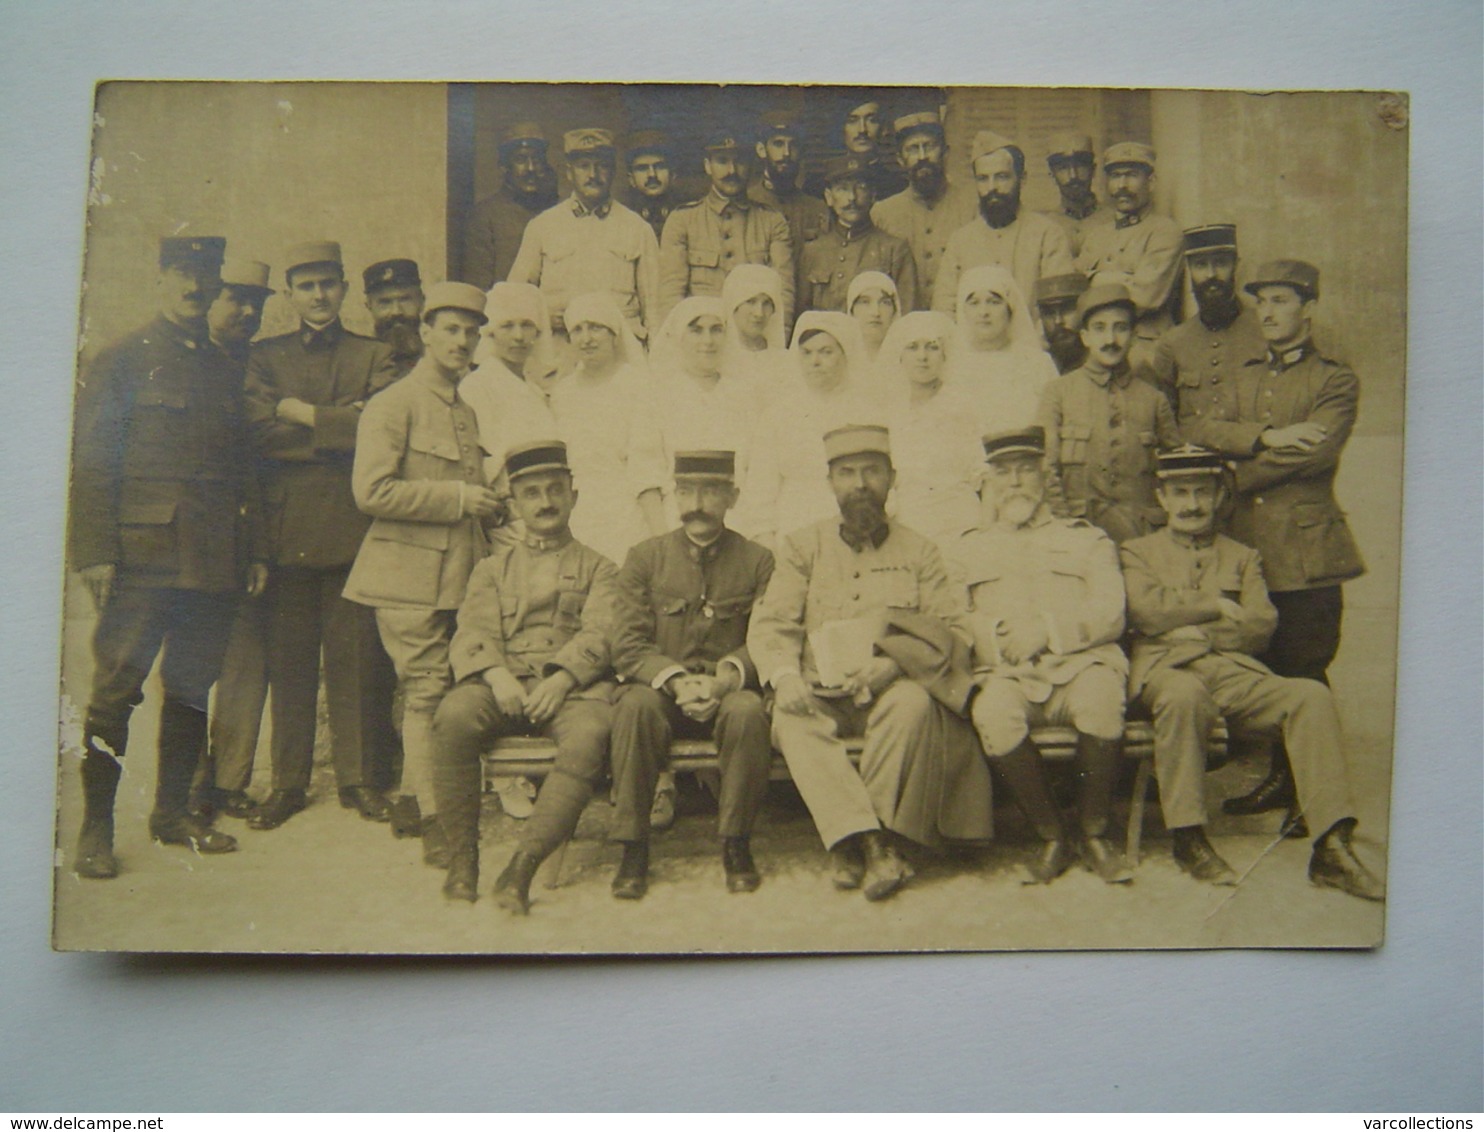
(533, 757)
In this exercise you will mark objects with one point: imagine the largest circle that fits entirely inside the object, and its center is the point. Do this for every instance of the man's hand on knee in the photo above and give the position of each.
(871, 679)
(510, 697)
(546, 698)
(793, 696)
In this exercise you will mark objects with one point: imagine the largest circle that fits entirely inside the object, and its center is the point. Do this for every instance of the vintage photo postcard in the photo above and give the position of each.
(623, 518)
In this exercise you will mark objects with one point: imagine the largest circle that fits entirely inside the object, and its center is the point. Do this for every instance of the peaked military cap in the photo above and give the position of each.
(647, 141)
(1302, 277)
(391, 273)
(1029, 441)
(856, 440)
(1101, 295)
(1070, 145)
(455, 296)
(1128, 153)
(1060, 288)
(1211, 238)
(316, 251)
(246, 275)
(839, 168)
(538, 456)
(778, 123)
(1189, 460)
(722, 139)
(591, 141)
(522, 133)
(987, 142)
(705, 465)
(205, 252)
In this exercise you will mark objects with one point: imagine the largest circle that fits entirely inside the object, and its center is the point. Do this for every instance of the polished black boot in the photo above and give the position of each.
(100, 780)
(182, 742)
(1275, 792)
(1097, 769)
(513, 888)
(1195, 855)
(406, 817)
(1023, 769)
(632, 879)
(886, 872)
(736, 862)
(460, 823)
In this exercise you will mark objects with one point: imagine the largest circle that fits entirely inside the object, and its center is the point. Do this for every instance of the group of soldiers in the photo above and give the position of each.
(589, 495)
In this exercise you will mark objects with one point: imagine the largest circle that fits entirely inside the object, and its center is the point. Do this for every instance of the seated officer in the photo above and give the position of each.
(685, 599)
(823, 638)
(1199, 605)
(531, 654)
(1105, 425)
(1046, 607)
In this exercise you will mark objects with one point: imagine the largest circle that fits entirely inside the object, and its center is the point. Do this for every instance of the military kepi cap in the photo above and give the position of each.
(538, 456)
(1105, 295)
(777, 123)
(316, 251)
(1030, 441)
(920, 120)
(722, 140)
(246, 275)
(1211, 238)
(1302, 277)
(202, 252)
(522, 133)
(455, 296)
(1061, 288)
(1070, 145)
(647, 141)
(1128, 153)
(710, 465)
(841, 168)
(592, 141)
(1188, 460)
(856, 440)
(391, 273)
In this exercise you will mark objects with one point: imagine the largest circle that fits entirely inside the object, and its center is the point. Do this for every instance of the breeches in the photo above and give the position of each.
(1092, 702)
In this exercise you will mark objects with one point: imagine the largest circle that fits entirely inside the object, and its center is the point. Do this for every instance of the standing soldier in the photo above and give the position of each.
(707, 238)
(163, 533)
(861, 132)
(1296, 407)
(685, 599)
(1056, 303)
(852, 245)
(1072, 167)
(1134, 246)
(932, 206)
(394, 296)
(1105, 426)
(419, 473)
(1197, 364)
(242, 689)
(305, 392)
(651, 179)
(528, 187)
(779, 142)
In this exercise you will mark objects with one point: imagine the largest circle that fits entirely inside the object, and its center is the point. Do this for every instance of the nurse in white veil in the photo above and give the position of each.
(998, 361)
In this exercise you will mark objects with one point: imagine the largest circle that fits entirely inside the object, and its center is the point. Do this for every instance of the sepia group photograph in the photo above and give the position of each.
(667, 519)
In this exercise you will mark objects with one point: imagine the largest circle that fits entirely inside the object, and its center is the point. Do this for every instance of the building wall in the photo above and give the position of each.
(266, 165)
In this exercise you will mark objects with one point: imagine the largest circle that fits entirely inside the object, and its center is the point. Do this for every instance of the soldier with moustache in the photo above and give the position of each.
(779, 149)
(861, 129)
(528, 187)
(851, 245)
(394, 297)
(164, 531)
(1072, 164)
(1056, 303)
(652, 194)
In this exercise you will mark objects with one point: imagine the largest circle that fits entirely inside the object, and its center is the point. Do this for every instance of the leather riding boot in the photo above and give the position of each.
(513, 888)
(100, 780)
(1097, 770)
(1025, 771)
(737, 863)
(182, 744)
(1274, 792)
(631, 881)
(460, 823)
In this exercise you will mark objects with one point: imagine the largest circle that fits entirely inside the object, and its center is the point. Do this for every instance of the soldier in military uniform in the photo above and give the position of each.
(1199, 606)
(1072, 164)
(1197, 363)
(872, 594)
(1105, 425)
(685, 600)
(707, 238)
(590, 242)
(1027, 244)
(861, 132)
(932, 206)
(305, 392)
(1296, 406)
(163, 531)
(1046, 608)
(528, 187)
(647, 156)
(242, 689)
(419, 475)
(532, 657)
(779, 153)
(852, 245)
(1135, 247)
(1056, 304)
(394, 296)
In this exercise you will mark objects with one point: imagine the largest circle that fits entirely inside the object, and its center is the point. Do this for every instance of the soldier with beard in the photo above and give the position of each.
(1029, 245)
(706, 239)
(1197, 363)
(1072, 167)
(931, 208)
(528, 187)
(394, 296)
(651, 180)
(779, 149)
(1056, 303)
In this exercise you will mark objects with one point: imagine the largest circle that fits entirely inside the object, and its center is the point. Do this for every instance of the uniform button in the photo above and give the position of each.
(1215, 361)
(459, 425)
(857, 574)
(927, 255)
(855, 597)
(1258, 501)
